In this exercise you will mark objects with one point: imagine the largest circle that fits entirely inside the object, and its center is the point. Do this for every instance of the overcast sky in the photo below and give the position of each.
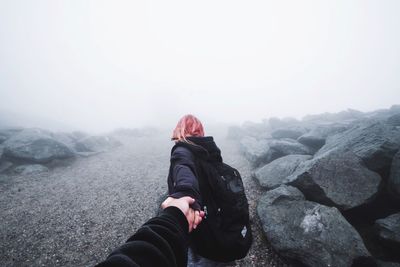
(103, 64)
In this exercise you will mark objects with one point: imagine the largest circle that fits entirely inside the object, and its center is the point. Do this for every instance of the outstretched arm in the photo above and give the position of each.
(161, 241)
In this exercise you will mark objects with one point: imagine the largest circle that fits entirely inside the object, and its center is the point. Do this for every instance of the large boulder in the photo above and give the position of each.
(375, 143)
(274, 173)
(394, 179)
(263, 151)
(65, 138)
(28, 169)
(286, 146)
(7, 133)
(388, 230)
(337, 178)
(387, 264)
(35, 145)
(255, 151)
(308, 232)
(346, 116)
(5, 166)
(317, 136)
(96, 144)
(292, 133)
(394, 120)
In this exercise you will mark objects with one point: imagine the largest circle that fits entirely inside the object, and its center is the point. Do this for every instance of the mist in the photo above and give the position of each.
(100, 65)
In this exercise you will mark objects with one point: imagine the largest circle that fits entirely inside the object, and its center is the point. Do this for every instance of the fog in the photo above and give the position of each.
(98, 65)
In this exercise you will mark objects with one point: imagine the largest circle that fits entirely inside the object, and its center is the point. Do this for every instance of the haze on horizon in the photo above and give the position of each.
(97, 65)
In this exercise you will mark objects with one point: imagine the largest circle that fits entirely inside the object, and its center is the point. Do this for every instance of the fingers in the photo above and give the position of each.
(197, 219)
(193, 217)
(189, 200)
(190, 217)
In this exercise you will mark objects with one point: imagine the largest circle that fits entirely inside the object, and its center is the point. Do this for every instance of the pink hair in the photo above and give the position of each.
(188, 125)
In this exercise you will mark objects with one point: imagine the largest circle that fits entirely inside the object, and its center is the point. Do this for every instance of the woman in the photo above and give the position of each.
(182, 180)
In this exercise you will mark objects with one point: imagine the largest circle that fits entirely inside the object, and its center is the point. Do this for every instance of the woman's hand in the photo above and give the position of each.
(193, 217)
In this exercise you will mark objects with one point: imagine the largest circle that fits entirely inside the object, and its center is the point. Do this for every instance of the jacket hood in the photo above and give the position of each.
(205, 147)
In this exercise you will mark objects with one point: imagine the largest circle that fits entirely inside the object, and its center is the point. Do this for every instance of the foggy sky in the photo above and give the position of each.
(97, 64)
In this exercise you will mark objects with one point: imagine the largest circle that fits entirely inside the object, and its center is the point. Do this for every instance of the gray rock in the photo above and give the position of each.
(349, 115)
(5, 166)
(274, 173)
(387, 264)
(30, 169)
(257, 130)
(283, 147)
(276, 123)
(255, 151)
(263, 151)
(394, 179)
(308, 232)
(86, 154)
(336, 178)
(7, 133)
(375, 143)
(292, 133)
(65, 138)
(394, 120)
(317, 136)
(388, 230)
(35, 145)
(96, 144)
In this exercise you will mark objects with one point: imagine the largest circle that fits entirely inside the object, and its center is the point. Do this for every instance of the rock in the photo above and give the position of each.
(78, 135)
(387, 264)
(87, 154)
(35, 145)
(273, 174)
(283, 147)
(255, 151)
(96, 144)
(375, 143)
(276, 123)
(3, 138)
(235, 133)
(349, 115)
(394, 179)
(257, 130)
(394, 120)
(317, 136)
(388, 230)
(5, 166)
(308, 232)
(336, 178)
(260, 152)
(292, 133)
(65, 138)
(7, 133)
(30, 169)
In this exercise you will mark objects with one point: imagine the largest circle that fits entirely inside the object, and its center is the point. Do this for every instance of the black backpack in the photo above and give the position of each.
(224, 234)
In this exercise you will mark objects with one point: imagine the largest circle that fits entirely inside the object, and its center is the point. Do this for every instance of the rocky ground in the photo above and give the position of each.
(77, 213)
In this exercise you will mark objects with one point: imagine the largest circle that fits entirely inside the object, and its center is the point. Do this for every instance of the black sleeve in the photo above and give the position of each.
(185, 182)
(161, 241)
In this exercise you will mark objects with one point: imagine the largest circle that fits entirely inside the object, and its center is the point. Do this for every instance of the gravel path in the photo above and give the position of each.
(76, 214)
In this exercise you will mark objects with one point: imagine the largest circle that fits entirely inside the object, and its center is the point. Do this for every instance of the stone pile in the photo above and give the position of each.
(33, 150)
(332, 186)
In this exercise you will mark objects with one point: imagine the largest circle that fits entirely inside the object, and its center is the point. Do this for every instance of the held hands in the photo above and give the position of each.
(193, 217)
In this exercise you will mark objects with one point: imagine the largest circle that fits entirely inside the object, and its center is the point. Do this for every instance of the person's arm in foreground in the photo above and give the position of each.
(161, 241)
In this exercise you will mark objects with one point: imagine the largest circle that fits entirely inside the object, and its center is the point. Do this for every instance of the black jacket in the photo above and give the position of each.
(182, 177)
(161, 241)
